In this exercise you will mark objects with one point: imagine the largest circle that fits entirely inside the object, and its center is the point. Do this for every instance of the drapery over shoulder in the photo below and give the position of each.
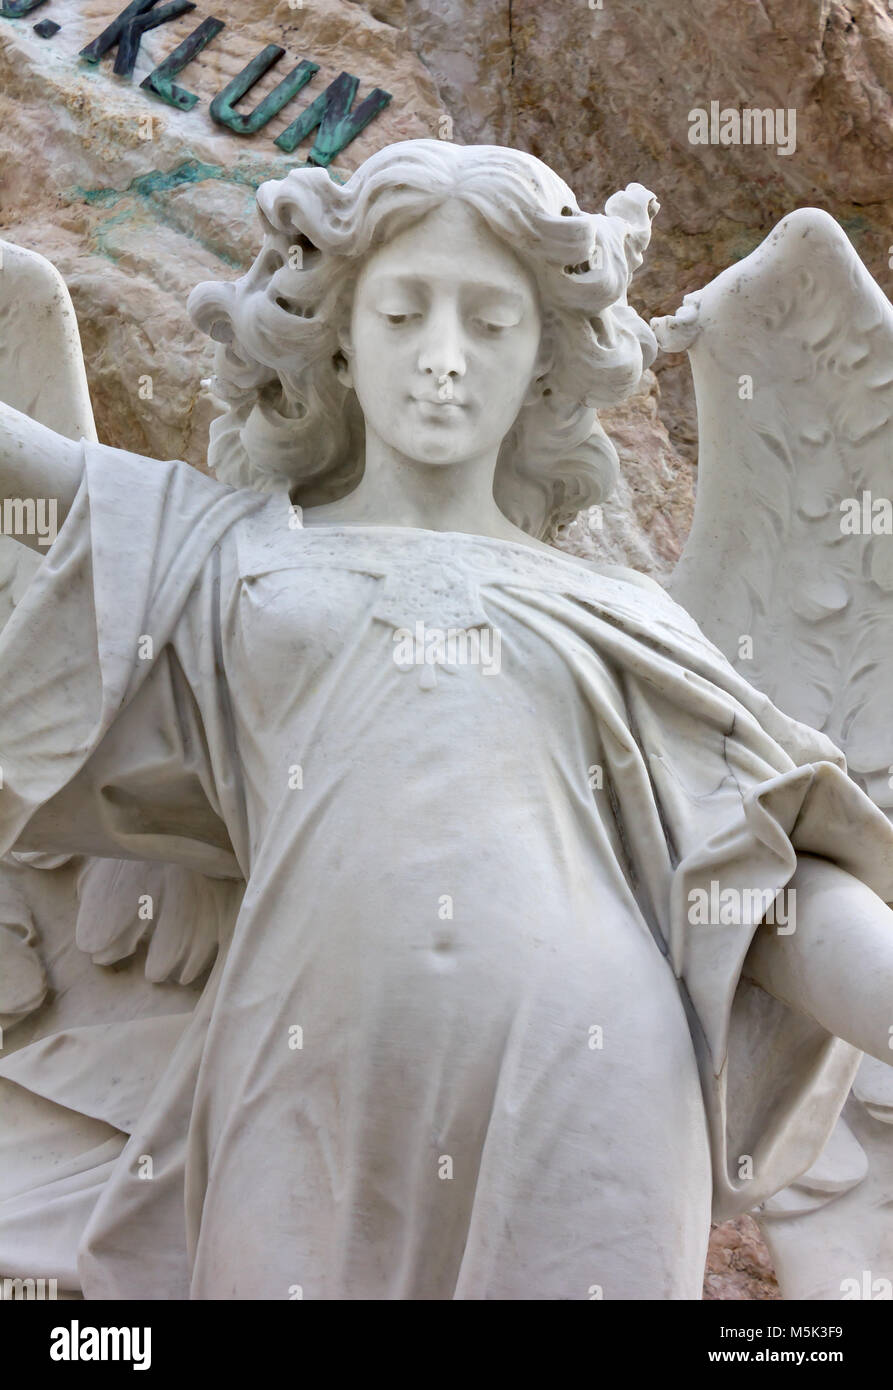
(775, 1081)
(716, 790)
(104, 752)
(101, 746)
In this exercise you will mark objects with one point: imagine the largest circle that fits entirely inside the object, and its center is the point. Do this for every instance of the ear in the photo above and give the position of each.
(543, 363)
(344, 356)
(341, 363)
(545, 356)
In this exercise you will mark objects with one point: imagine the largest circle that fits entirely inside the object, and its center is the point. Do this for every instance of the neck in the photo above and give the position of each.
(398, 491)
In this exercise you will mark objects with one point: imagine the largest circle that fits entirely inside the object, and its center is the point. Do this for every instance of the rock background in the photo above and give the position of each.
(600, 89)
(133, 224)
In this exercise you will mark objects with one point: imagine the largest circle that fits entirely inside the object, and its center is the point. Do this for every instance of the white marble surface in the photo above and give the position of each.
(463, 1035)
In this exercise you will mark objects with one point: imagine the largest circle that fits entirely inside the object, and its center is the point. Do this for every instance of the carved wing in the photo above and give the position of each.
(63, 1020)
(42, 369)
(42, 374)
(789, 570)
(787, 567)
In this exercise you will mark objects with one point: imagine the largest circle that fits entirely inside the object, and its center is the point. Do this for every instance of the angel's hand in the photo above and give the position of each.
(836, 966)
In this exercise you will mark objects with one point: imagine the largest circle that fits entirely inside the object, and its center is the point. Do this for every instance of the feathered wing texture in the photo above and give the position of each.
(792, 356)
(42, 374)
(789, 570)
(66, 1026)
(42, 371)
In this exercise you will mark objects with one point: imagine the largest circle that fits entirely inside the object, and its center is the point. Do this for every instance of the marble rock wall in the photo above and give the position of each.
(600, 89)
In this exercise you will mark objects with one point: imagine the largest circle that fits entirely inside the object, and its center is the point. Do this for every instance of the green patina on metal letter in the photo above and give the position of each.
(161, 79)
(222, 106)
(17, 9)
(337, 124)
(129, 45)
(127, 30)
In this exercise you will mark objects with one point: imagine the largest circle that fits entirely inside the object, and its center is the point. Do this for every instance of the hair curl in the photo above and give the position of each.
(292, 423)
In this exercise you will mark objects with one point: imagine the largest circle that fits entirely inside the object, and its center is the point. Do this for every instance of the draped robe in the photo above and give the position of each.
(464, 1036)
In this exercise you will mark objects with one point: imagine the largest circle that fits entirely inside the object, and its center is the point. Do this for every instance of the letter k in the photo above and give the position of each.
(127, 30)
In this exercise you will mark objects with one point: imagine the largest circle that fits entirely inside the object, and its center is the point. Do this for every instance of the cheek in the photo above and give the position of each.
(515, 353)
(373, 362)
(510, 368)
(368, 341)
(527, 349)
(379, 384)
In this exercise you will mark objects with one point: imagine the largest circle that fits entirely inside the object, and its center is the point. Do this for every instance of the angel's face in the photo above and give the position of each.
(444, 338)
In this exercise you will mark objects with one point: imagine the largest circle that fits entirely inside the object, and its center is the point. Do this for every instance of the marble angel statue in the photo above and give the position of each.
(430, 808)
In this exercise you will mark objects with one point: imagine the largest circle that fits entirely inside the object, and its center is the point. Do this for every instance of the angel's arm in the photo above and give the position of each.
(836, 966)
(36, 462)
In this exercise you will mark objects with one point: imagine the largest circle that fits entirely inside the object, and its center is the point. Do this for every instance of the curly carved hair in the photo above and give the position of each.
(291, 422)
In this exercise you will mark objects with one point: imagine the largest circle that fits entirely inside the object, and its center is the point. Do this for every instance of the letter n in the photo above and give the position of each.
(331, 114)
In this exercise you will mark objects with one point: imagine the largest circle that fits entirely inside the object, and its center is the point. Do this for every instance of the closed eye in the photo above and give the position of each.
(491, 328)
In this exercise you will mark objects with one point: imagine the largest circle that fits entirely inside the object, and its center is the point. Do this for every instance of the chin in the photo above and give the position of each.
(439, 460)
(437, 451)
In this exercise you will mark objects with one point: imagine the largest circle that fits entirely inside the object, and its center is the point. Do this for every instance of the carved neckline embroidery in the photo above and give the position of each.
(431, 576)
(435, 578)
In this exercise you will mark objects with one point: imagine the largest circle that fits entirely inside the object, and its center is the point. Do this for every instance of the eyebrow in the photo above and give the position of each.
(482, 287)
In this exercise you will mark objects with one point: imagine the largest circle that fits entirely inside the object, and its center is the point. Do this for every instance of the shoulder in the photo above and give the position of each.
(628, 576)
(110, 468)
(269, 536)
(160, 517)
(155, 488)
(595, 570)
(657, 604)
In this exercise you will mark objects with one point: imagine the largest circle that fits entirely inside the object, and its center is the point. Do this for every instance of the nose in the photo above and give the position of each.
(442, 352)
